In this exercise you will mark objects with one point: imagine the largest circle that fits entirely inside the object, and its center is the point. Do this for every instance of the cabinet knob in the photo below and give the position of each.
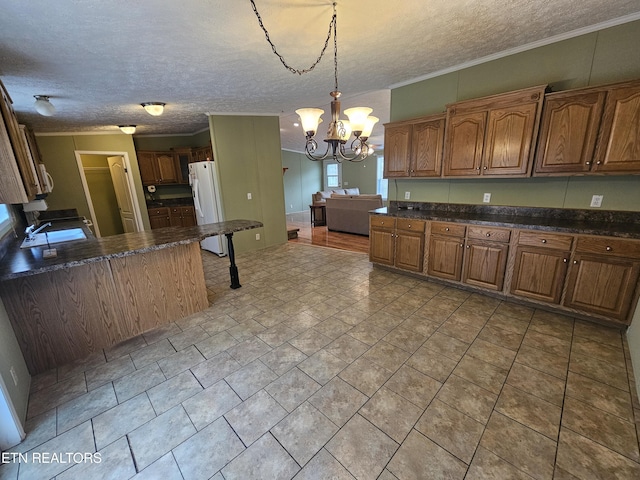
(409, 226)
(544, 240)
(446, 229)
(608, 249)
(488, 234)
(575, 262)
(564, 260)
(478, 168)
(587, 163)
(381, 223)
(461, 245)
(598, 162)
(468, 246)
(484, 168)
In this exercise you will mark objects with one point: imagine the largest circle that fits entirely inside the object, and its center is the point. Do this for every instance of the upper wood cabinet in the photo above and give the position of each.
(590, 130)
(493, 136)
(414, 148)
(18, 174)
(157, 168)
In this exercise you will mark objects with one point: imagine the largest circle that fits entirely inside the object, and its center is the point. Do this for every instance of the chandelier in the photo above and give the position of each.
(339, 132)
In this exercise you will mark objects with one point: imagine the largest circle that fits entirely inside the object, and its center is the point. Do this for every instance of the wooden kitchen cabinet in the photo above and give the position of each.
(414, 149)
(485, 256)
(493, 136)
(182, 216)
(397, 242)
(18, 175)
(603, 276)
(159, 217)
(618, 148)
(540, 266)
(593, 130)
(381, 239)
(157, 168)
(202, 154)
(183, 157)
(446, 249)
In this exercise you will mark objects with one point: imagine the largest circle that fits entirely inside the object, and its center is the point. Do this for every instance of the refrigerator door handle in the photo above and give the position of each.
(196, 198)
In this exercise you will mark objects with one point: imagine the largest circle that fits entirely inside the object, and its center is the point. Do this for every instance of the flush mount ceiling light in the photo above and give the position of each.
(43, 106)
(128, 129)
(360, 123)
(154, 108)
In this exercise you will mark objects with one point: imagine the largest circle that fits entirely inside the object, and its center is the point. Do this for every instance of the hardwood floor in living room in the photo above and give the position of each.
(320, 236)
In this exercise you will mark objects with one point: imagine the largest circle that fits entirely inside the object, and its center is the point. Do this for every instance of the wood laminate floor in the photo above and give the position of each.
(322, 237)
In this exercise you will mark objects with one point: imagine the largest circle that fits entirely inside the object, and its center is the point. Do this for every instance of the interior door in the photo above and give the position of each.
(124, 196)
(332, 174)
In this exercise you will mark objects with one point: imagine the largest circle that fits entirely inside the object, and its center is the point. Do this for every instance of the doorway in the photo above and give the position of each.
(332, 174)
(109, 190)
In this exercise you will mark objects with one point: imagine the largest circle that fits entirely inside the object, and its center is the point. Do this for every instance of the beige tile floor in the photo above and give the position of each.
(322, 367)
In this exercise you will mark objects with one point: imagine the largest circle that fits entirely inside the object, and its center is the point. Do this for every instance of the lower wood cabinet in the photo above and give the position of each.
(182, 216)
(595, 276)
(603, 276)
(540, 265)
(159, 217)
(397, 242)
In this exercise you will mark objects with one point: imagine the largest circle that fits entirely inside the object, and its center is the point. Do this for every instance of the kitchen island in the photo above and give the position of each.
(98, 292)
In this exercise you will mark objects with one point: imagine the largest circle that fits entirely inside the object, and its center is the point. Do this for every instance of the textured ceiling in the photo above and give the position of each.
(98, 60)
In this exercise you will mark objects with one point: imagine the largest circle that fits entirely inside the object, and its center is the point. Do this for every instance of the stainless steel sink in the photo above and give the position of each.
(55, 236)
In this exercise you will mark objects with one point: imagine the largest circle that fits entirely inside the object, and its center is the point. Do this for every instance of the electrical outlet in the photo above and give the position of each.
(407, 195)
(596, 201)
(14, 375)
(257, 236)
(486, 198)
(346, 184)
(248, 196)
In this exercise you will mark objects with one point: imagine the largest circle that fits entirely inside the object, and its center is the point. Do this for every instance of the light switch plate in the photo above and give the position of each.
(486, 198)
(407, 195)
(249, 196)
(596, 201)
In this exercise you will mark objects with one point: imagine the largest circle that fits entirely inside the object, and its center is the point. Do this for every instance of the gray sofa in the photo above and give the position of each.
(350, 213)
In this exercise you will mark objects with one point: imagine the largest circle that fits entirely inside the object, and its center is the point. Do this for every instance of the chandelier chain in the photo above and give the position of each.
(332, 27)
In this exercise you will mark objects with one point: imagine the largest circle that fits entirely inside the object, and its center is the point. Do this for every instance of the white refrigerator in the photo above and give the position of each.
(203, 178)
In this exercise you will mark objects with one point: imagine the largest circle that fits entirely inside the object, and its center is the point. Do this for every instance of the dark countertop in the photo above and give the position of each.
(590, 222)
(19, 262)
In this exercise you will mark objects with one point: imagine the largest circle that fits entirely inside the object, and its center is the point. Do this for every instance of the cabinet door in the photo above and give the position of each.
(568, 132)
(618, 148)
(463, 144)
(397, 147)
(409, 250)
(167, 168)
(445, 257)
(381, 246)
(17, 151)
(485, 264)
(175, 217)
(602, 285)
(148, 168)
(159, 217)
(188, 216)
(539, 273)
(182, 160)
(427, 143)
(508, 148)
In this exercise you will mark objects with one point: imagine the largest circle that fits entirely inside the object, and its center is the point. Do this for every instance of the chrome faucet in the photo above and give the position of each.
(31, 230)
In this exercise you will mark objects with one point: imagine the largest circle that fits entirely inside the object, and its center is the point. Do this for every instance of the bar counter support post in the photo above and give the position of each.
(233, 269)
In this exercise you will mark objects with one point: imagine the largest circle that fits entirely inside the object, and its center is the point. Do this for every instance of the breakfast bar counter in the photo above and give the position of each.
(101, 291)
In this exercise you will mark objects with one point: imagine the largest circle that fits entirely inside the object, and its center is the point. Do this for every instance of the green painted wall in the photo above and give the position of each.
(58, 154)
(606, 56)
(302, 179)
(249, 160)
(360, 174)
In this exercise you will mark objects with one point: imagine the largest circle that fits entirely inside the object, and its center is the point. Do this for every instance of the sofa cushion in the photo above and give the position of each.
(339, 191)
(352, 191)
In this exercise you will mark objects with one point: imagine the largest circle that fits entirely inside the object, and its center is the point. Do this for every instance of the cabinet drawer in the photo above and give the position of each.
(444, 228)
(489, 233)
(382, 221)
(158, 211)
(609, 246)
(547, 240)
(410, 224)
